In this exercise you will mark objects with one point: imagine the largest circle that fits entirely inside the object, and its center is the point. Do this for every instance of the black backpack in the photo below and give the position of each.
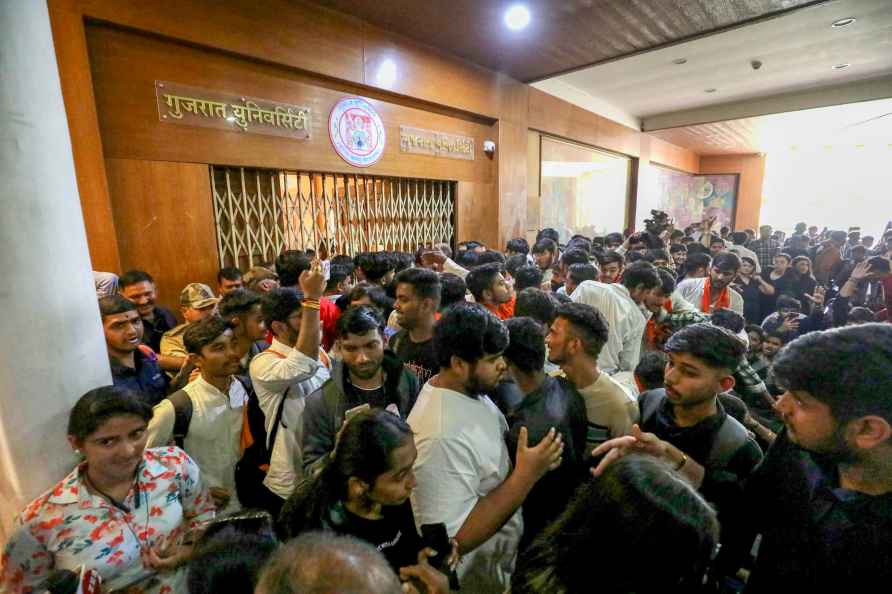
(250, 470)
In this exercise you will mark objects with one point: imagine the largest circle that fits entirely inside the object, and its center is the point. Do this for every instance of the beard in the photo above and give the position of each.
(833, 449)
(476, 385)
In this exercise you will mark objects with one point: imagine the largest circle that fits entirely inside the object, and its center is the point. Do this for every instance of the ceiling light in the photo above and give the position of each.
(841, 66)
(710, 90)
(843, 22)
(680, 61)
(517, 17)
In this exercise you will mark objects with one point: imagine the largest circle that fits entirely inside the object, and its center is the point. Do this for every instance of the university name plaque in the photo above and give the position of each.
(193, 106)
(437, 144)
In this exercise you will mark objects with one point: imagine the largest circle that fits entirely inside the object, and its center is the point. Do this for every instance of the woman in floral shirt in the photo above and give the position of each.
(125, 511)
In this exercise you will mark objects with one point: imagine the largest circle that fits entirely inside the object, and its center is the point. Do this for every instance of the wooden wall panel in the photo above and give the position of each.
(125, 66)
(164, 218)
(476, 213)
(286, 32)
(86, 142)
(670, 155)
(749, 193)
(511, 154)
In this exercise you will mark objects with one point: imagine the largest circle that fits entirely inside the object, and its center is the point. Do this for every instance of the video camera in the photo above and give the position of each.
(659, 222)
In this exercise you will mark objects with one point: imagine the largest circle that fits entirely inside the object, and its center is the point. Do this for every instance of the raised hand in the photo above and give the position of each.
(312, 281)
(638, 442)
(546, 456)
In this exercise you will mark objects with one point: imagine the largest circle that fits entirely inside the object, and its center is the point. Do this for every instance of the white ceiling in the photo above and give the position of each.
(798, 51)
(849, 125)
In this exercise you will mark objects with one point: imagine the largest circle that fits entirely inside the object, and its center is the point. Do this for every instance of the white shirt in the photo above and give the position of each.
(692, 290)
(461, 458)
(213, 439)
(625, 324)
(272, 374)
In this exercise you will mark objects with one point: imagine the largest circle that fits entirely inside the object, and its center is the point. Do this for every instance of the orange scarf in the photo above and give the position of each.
(655, 334)
(723, 302)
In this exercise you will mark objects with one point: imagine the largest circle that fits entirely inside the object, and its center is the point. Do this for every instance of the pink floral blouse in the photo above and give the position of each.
(68, 526)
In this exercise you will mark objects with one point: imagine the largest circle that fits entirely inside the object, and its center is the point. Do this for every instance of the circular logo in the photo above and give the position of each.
(356, 132)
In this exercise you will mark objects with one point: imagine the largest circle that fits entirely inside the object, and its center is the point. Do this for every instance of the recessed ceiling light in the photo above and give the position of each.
(710, 90)
(517, 17)
(843, 22)
(841, 66)
(680, 61)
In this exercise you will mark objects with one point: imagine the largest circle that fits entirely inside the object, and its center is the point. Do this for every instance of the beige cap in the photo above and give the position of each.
(197, 296)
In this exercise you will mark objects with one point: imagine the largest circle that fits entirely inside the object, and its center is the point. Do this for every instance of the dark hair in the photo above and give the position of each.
(861, 315)
(781, 336)
(489, 257)
(337, 273)
(642, 503)
(788, 257)
(611, 257)
(614, 238)
(279, 303)
(580, 273)
(839, 236)
(788, 302)
(657, 254)
(114, 304)
(514, 263)
(401, 261)
(698, 248)
(548, 233)
(677, 247)
(238, 302)
(634, 256)
(716, 239)
(519, 245)
(714, 346)
(726, 261)
(639, 237)
(849, 369)
(131, 277)
(482, 278)
(739, 238)
(375, 265)
(526, 346)
(727, 319)
(99, 405)
(574, 256)
(425, 283)
(452, 289)
(289, 265)
(228, 561)
(202, 333)
(527, 277)
(467, 258)
(588, 324)
(651, 369)
(363, 450)
(667, 281)
(359, 319)
(229, 273)
(342, 260)
(535, 303)
(470, 332)
(757, 329)
(696, 260)
(376, 294)
(545, 245)
(641, 273)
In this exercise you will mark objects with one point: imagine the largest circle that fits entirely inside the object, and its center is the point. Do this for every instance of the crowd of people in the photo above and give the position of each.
(678, 410)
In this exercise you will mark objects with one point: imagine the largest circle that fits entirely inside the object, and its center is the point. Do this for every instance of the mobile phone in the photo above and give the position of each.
(434, 536)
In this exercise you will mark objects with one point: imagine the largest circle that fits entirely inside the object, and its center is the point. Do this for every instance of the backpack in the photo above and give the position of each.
(251, 469)
(730, 437)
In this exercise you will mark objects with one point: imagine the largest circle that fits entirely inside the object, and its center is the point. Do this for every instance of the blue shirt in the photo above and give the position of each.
(146, 378)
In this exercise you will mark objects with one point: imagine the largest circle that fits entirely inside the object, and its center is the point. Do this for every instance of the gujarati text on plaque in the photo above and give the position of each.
(193, 106)
(438, 144)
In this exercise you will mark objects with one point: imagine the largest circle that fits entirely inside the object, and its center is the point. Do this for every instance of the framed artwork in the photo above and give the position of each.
(689, 198)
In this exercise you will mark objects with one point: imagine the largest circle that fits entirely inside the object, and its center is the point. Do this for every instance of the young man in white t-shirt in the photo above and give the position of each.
(463, 469)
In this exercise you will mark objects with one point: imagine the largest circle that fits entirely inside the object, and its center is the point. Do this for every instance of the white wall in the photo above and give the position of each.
(51, 344)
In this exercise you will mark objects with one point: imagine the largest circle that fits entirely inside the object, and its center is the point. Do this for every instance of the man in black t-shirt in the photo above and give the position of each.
(139, 287)
(417, 301)
(367, 376)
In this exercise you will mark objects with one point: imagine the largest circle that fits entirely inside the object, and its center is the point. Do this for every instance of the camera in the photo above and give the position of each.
(756, 64)
(659, 222)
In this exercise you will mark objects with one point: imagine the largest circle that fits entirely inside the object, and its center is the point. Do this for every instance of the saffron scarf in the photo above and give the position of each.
(723, 302)
(655, 334)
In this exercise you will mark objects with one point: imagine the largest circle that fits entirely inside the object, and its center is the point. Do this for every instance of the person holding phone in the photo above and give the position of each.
(362, 490)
